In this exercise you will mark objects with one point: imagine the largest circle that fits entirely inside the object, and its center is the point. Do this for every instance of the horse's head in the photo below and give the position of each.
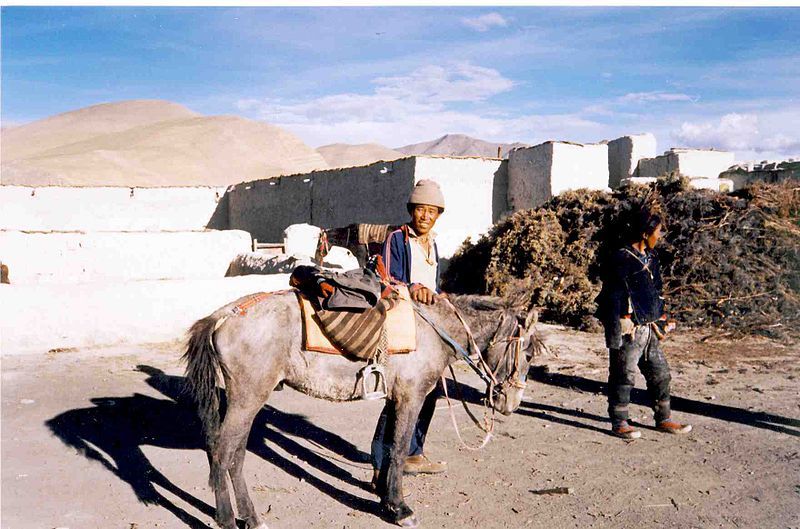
(509, 355)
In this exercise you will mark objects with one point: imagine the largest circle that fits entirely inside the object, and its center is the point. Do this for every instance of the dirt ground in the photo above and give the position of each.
(103, 439)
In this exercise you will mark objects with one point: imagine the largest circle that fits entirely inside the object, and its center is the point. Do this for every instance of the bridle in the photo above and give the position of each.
(516, 377)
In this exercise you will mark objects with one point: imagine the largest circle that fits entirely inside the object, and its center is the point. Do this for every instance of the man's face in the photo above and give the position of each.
(423, 217)
(652, 239)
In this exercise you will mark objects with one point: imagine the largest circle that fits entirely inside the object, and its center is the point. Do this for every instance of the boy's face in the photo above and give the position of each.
(423, 217)
(652, 239)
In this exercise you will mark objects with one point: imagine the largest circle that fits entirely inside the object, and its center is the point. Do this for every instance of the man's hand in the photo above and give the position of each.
(422, 294)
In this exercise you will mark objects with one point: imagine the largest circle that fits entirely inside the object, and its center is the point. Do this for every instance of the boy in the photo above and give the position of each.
(631, 310)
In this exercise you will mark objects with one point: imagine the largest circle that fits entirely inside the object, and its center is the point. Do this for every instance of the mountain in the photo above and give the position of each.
(460, 145)
(345, 155)
(149, 143)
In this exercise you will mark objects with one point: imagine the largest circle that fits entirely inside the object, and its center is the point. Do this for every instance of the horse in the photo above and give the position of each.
(260, 348)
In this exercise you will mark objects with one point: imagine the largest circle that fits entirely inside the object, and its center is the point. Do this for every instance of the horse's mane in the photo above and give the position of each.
(478, 303)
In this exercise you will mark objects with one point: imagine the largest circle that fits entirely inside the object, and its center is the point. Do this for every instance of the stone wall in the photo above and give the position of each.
(264, 208)
(330, 198)
(373, 194)
(624, 154)
(771, 172)
(474, 189)
(108, 208)
(659, 166)
(76, 257)
(529, 172)
(535, 174)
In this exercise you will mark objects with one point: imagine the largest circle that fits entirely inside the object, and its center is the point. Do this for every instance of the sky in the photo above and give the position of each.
(727, 78)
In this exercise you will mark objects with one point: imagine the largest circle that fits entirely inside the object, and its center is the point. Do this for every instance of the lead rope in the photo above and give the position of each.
(474, 345)
(487, 426)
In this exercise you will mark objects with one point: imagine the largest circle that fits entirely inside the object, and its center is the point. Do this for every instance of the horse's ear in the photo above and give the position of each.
(532, 318)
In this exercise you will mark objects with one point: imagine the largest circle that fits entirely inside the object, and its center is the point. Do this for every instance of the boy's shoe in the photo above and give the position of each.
(420, 464)
(626, 431)
(673, 427)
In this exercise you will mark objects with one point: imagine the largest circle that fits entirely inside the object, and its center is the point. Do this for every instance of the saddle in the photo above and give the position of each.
(358, 334)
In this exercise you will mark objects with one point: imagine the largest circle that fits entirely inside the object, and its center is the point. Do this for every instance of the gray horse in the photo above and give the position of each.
(257, 349)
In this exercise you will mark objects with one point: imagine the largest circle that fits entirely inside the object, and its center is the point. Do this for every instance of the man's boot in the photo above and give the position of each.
(419, 464)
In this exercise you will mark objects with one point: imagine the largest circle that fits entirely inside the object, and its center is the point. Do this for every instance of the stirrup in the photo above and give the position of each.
(379, 380)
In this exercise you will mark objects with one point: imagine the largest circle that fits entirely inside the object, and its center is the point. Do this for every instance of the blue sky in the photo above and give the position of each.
(699, 77)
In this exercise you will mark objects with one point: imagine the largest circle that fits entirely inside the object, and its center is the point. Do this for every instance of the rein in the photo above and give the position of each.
(485, 373)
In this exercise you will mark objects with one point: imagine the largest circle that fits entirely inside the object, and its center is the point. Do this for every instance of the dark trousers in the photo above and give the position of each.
(384, 431)
(642, 351)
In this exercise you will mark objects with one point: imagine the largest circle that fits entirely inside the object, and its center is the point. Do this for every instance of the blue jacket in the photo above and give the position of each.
(397, 256)
(628, 278)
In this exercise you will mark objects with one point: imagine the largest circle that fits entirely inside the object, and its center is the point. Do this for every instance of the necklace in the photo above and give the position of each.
(425, 245)
(644, 262)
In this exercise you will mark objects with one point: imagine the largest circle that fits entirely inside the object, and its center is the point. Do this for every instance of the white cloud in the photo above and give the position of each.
(765, 135)
(416, 107)
(649, 97)
(485, 22)
(438, 84)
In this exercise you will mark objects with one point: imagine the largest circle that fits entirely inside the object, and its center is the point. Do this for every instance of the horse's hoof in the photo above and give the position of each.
(408, 521)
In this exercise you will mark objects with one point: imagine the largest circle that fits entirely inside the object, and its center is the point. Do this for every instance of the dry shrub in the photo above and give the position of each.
(728, 260)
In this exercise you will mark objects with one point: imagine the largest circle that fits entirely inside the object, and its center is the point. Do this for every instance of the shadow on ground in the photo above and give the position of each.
(756, 419)
(114, 430)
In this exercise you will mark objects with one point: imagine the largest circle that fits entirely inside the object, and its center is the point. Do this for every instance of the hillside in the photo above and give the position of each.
(460, 145)
(149, 143)
(345, 155)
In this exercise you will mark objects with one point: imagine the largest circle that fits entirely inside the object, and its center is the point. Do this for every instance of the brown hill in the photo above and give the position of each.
(90, 122)
(345, 155)
(149, 143)
(460, 145)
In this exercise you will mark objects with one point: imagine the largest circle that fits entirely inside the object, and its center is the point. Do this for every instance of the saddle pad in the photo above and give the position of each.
(400, 327)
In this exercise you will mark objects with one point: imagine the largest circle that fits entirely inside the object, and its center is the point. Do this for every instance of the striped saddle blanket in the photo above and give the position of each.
(358, 333)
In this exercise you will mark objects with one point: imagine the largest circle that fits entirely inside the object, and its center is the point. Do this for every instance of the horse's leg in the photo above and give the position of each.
(405, 416)
(233, 434)
(243, 502)
(219, 482)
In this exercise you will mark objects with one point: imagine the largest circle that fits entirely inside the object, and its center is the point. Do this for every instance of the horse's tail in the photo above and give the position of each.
(202, 374)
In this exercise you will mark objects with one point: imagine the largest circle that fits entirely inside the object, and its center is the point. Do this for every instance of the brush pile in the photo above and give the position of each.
(730, 261)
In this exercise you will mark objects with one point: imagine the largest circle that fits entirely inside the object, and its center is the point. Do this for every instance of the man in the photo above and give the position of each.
(631, 309)
(411, 257)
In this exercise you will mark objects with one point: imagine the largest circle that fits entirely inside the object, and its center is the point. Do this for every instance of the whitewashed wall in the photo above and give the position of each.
(37, 318)
(468, 188)
(577, 166)
(702, 163)
(107, 208)
(694, 163)
(105, 256)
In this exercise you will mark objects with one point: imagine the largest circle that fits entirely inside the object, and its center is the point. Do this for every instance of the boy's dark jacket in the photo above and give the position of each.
(626, 277)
